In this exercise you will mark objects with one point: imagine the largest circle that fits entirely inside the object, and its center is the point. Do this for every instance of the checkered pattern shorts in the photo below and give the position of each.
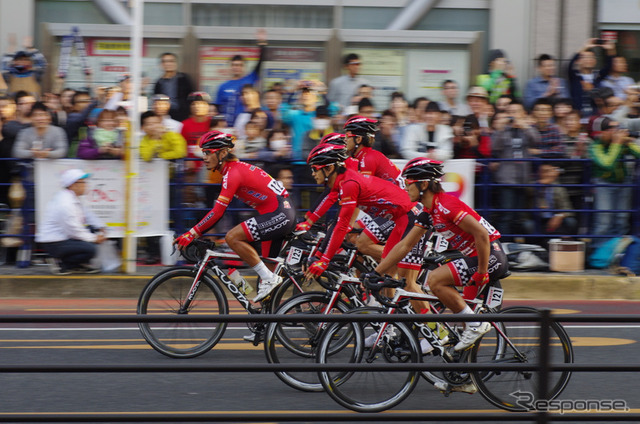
(462, 269)
(379, 229)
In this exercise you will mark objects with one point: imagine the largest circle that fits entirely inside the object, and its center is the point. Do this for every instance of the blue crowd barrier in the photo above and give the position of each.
(183, 215)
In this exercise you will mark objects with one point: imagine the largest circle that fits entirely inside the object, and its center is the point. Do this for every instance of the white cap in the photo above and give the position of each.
(70, 176)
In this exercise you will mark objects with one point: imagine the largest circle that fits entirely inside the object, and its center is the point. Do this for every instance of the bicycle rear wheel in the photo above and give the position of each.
(295, 342)
(369, 391)
(519, 390)
(165, 295)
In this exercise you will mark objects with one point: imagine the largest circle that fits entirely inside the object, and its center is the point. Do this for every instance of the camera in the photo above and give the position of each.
(634, 134)
(467, 127)
(600, 42)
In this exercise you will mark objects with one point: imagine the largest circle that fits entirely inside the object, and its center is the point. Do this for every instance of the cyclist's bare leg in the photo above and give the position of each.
(366, 246)
(237, 241)
(442, 284)
(411, 275)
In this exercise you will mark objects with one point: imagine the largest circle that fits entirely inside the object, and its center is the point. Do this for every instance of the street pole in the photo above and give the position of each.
(133, 156)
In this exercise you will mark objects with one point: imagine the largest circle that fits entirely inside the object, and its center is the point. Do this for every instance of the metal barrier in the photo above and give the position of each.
(545, 317)
(184, 215)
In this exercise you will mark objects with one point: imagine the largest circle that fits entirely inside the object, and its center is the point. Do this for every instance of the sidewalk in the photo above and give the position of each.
(37, 282)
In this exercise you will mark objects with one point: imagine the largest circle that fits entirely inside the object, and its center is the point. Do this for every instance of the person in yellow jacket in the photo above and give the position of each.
(158, 142)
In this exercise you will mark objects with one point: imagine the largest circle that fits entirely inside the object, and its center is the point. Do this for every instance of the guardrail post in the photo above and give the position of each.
(544, 366)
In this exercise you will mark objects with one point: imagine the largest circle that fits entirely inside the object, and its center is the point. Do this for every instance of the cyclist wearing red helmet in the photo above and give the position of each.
(360, 134)
(373, 195)
(257, 189)
(464, 229)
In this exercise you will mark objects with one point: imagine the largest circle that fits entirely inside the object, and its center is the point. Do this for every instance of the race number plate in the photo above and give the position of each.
(294, 256)
(494, 297)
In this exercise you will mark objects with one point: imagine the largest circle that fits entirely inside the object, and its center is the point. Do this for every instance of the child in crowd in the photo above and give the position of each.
(104, 141)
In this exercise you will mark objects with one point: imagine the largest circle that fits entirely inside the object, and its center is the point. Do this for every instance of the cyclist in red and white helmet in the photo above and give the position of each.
(373, 195)
(360, 134)
(257, 189)
(464, 229)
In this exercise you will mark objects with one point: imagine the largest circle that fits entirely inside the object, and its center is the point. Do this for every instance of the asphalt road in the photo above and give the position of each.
(200, 393)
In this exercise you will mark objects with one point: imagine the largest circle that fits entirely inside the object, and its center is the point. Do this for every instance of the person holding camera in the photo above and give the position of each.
(515, 141)
(584, 78)
(610, 146)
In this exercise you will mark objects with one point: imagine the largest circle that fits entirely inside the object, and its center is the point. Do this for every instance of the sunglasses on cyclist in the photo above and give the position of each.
(316, 168)
(408, 182)
(209, 152)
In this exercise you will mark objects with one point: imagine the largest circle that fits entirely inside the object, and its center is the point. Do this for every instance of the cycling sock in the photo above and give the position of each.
(264, 272)
(467, 310)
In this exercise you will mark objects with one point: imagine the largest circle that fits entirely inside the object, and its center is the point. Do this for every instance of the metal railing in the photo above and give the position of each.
(542, 366)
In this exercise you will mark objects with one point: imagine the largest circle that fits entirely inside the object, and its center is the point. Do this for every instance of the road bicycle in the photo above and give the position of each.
(198, 289)
(400, 342)
(295, 342)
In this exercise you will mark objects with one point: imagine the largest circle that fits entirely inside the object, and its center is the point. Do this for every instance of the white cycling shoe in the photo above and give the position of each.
(266, 287)
(447, 388)
(471, 334)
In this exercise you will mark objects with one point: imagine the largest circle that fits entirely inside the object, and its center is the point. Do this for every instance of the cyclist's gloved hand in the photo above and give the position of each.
(469, 292)
(425, 220)
(318, 267)
(372, 278)
(185, 239)
(478, 279)
(303, 226)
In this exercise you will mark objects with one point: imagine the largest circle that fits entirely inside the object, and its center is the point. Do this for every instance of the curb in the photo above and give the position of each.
(528, 286)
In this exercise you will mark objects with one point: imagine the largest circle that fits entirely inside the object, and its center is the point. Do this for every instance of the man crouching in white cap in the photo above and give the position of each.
(70, 231)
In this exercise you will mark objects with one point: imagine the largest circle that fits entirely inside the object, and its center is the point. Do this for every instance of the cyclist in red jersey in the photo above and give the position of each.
(372, 195)
(465, 230)
(329, 197)
(360, 136)
(257, 189)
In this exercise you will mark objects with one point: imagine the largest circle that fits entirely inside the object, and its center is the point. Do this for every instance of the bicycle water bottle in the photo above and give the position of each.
(237, 280)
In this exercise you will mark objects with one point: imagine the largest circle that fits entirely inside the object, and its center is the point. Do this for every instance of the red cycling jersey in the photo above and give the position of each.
(331, 197)
(373, 162)
(372, 195)
(248, 183)
(447, 212)
(368, 162)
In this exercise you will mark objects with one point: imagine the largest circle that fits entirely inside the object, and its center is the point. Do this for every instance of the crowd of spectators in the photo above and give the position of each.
(575, 113)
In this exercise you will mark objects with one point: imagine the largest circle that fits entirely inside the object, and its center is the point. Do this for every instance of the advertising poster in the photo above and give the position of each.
(288, 65)
(106, 192)
(109, 59)
(426, 70)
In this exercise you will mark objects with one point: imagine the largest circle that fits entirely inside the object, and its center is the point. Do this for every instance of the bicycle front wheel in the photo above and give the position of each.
(373, 390)
(166, 295)
(295, 342)
(519, 390)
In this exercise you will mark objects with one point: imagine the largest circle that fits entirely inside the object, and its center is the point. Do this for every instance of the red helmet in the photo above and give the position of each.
(422, 169)
(327, 154)
(362, 126)
(334, 138)
(216, 140)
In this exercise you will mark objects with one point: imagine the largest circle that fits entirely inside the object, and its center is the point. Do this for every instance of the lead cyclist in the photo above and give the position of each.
(257, 189)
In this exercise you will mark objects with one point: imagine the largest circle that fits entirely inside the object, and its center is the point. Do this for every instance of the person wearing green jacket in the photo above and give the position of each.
(610, 146)
(499, 80)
